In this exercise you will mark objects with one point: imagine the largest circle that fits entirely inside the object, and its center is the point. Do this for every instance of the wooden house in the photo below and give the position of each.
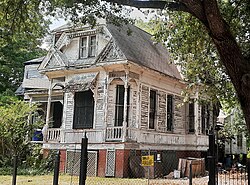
(121, 89)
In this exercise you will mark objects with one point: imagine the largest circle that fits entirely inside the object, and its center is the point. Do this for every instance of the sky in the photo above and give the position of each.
(57, 22)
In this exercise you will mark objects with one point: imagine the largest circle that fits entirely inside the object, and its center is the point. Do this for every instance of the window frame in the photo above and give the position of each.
(85, 47)
(191, 117)
(170, 113)
(88, 47)
(119, 104)
(152, 109)
(79, 104)
(92, 46)
(205, 118)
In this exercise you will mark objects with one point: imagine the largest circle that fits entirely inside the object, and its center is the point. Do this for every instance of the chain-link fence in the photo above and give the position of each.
(149, 167)
(135, 167)
(141, 167)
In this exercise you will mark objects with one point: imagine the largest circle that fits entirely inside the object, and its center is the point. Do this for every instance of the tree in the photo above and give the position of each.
(15, 130)
(233, 56)
(12, 56)
(21, 30)
(208, 12)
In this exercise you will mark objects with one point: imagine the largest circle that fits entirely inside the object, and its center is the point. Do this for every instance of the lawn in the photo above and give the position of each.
(69, 180)
(74, 180)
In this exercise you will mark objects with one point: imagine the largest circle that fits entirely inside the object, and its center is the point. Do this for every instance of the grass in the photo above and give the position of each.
(74, 180)
(69, 180)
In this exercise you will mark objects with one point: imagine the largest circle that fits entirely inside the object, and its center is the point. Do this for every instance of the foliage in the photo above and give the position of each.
(12, 56)
(21, 30)
(234, 125)
(196, 54)
(15, 130)
(193, 50)
(29, 17)
(33, 163)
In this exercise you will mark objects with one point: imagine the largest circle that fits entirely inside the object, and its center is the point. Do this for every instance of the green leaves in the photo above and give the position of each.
(194, 52)
(15, 130)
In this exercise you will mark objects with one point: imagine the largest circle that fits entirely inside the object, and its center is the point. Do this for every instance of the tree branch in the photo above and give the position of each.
(174, 6)
(140, 4)
(195, 8)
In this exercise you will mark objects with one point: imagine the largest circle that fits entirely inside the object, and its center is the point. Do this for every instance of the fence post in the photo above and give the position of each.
(190, 174)
(84, 160)
(56, 168)
(14, 170)
(248, 170)
(211, 159)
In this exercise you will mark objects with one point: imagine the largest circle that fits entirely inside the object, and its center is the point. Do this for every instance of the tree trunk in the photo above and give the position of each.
(237, 67)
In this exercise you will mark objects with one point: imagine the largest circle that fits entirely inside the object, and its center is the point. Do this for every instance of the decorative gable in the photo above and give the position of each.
(63, 40)
(111, 53)
(54, 59)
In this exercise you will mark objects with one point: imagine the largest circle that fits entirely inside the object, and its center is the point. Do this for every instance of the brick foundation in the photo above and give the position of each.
(121, 163)
(62, 167)
(101, 163)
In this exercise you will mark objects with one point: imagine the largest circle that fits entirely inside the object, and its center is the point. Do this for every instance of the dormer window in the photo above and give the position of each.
(92, 46)
(87, 46)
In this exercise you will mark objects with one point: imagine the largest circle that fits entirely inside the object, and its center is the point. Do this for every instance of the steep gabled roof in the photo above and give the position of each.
(34, 61)
(138, 47)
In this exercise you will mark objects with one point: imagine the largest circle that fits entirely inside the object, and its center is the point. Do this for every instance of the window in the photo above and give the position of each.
(152, 109)
(57, 109)
(119, 105)
(33, 73)
(170, 112)
(239, 140)
(83, 47)
(204, 118)
(87, 46)
(191, 117)
(92, 46)
(84, 110)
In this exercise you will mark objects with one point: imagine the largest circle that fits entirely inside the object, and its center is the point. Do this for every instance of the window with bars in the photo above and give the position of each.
(191, 117)
(87, 46)
(152, 109)
(119, 105)
(170, 112)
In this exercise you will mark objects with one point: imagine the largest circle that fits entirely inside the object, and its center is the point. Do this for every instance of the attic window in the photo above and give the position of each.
(33, 73)
(87, 46)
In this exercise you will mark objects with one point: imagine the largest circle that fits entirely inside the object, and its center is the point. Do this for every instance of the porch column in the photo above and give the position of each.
(46, 126)
(125, 108)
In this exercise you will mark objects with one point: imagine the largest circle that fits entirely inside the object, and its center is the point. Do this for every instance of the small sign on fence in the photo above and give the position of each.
(147, 160)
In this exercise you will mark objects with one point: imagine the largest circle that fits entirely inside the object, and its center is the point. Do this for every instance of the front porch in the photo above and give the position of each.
(119, 134)
(57, 135)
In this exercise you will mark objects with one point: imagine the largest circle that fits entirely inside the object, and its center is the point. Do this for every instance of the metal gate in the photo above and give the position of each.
(235, 175)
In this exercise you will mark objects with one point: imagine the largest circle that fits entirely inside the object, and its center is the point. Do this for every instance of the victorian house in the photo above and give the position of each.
(121, 89)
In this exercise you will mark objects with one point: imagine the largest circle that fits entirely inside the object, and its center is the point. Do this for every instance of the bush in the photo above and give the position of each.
(33, 163)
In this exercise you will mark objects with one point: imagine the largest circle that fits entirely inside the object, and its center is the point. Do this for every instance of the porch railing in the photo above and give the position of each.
(114, 134)
(53, 134)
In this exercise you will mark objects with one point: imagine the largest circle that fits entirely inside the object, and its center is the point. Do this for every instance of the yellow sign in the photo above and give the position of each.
(147, 160)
